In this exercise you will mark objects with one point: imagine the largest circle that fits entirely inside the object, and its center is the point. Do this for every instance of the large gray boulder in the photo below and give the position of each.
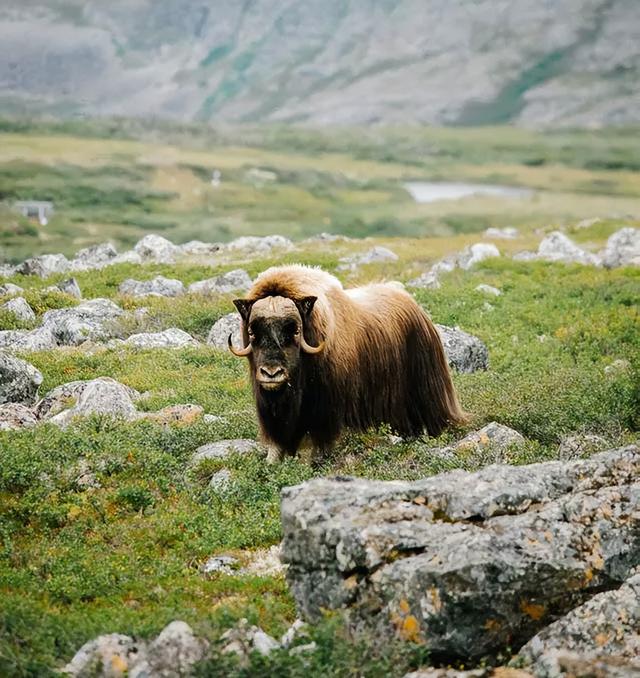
(229, 324)
(608, 625)
(19, 381)
(157, 287)
(19, 307)
(173, 337)
(464, 563)
(237, 280)
(44, 265)
(96, 319)
(623, 248)
(464, 352)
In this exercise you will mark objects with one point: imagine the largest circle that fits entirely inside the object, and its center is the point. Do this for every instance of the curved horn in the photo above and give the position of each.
(310, 349)
(239, 352)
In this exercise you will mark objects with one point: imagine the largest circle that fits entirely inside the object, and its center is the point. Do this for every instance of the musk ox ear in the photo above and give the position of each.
(244, 308)
(305, 306)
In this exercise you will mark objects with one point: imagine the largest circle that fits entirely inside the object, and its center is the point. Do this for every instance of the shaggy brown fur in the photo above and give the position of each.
(382, 362)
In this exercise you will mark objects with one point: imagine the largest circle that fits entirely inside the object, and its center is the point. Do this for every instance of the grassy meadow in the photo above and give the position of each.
(126, 556)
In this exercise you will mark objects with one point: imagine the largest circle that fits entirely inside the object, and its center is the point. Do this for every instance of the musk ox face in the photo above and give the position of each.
(273, 331)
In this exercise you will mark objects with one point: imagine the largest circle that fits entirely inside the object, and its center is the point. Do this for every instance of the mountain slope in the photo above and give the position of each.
(325, 61)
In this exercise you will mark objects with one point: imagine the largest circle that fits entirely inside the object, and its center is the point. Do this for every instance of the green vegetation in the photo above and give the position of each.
(126, 556)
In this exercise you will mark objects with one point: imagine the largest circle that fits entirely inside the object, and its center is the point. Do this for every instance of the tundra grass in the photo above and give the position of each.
(125, 556)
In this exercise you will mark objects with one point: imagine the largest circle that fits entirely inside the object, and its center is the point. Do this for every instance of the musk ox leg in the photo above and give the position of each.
(274, 455)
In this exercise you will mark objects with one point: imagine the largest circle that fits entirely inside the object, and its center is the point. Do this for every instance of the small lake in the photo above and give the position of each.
(432, 191)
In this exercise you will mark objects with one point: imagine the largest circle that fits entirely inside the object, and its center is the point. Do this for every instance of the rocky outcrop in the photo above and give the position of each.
(464, 352)
(19, 381)
(233, 281)
(607, 626)
(228, 324)
(157, 287)
(464, 563)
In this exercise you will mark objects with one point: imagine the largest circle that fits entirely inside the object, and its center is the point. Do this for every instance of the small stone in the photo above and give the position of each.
(229, 324)
(180, 415)
(264, 643)
(70, 287)
(508, 233)
(488, 289)
(15, 416)
(197, 248)
(223, 448)
(243, 639)
(19, 381)
(428, 281)
(264, 562)
(158, 287)
(221, 480)
(581, 445)
(376, 255)
(170, 338)
(495, 437)
(175, 651)
(223, 564)
(20, 308)
(234, 281)
(623, 248)
(619, 366)
(558, 247)
(298, 629)
(259, 245)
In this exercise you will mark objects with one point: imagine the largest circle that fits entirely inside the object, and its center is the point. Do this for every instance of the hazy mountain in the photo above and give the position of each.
(573, 62)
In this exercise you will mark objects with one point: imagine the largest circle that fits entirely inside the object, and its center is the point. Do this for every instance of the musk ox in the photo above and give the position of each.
(323, 358)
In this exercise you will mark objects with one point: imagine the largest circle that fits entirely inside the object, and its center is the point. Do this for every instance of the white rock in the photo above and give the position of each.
(233, 281)
(9, 289)
(170, 338)
(477, 253)
(156, 248)
(94, 319)
(174, 652)
(488, 289)
(223, 448)
(224, 564)
(428, 281)
(19, 381)
(623, 248)
(264, 643)
(221, 480)
(94, 257)
(20, 309)
(465, 352)
(558, 247)
(108, 656)
(40, 339)
(229, 324)
(198, 248)
(257, 245)
(69, 286)
(376, 255)
(15, 416)
(508, 233)
(157, 287)
(44, 265)
(129, 257)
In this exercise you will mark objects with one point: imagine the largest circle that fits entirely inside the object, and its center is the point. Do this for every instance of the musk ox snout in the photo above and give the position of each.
(271, 377)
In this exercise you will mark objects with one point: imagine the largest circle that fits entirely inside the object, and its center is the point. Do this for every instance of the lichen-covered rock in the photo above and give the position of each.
(14, 416)
(103, 396)
(234, 281)
(464, 352)
(9, 289)
(223, 448)
(156, 248)
(558, 247)
(157, 287)
(94, 257)
(172, 654)
(40, 339)
(623, 248)
(474, 254)
(608, 625)
(493, 439)
(173, 337)
(464, 563)
(44, 265)
(229, 324)
(108, 656)
(95, 319)
(20, 308)
(69, 286)
(19, 381)
(581, 445)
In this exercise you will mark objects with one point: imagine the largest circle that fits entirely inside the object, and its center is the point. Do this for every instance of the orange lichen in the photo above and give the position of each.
(410, 629)
(533, 610)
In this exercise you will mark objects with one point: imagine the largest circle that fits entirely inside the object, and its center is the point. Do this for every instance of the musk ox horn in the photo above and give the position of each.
(239, 352)
(310, 349)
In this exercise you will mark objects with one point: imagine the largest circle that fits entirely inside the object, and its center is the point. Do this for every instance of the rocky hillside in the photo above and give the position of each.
(331, 61)
(143, 534)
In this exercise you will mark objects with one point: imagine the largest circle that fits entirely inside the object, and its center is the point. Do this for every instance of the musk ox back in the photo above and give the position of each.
(323, 358)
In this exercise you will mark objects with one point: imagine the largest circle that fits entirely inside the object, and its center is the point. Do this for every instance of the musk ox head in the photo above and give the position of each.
(274, 334)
